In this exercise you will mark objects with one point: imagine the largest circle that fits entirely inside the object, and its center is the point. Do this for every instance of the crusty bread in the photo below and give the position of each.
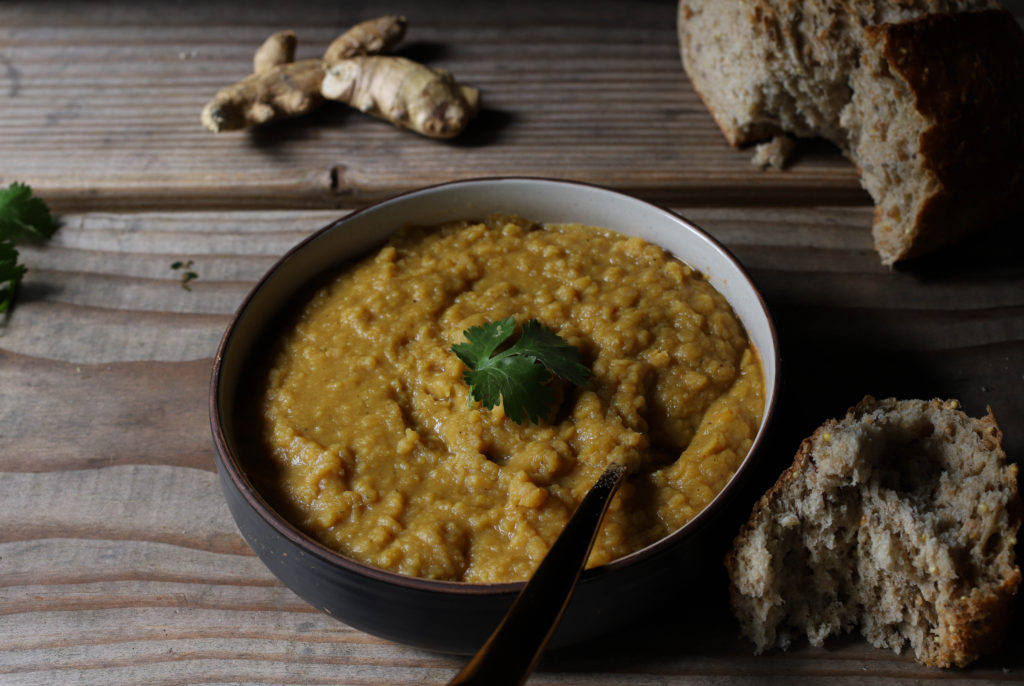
(900, 519)
(925, 96)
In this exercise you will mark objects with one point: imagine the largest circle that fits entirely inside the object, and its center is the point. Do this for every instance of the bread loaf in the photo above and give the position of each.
(900, 519)
(925, 96)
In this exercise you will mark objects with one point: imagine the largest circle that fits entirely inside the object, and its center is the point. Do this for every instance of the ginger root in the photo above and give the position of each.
(367, 38)
(279, 87)
(276, 50)
(405, 93)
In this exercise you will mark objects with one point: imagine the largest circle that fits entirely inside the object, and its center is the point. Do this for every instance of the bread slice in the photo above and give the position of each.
(900, 519)
(925, 96)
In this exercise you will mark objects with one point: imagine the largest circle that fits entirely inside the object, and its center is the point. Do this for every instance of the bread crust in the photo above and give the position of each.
(966, 72)
(970, 624)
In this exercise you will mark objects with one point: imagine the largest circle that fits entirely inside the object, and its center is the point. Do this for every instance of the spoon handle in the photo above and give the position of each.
(513, 649)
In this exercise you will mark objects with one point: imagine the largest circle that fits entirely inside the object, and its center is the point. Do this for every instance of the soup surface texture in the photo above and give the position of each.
(374, 448)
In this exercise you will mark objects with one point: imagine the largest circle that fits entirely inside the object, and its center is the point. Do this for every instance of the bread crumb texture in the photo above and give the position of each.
(899, 519)
(926, 97)
(773, 154)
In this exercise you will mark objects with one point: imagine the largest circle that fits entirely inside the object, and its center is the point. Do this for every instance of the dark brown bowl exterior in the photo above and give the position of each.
(440, 615)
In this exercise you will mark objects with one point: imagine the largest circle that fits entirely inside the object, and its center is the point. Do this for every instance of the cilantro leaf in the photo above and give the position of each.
(562, 359)
(24, 218)
(10, 273)
(518, 375)
(483, 341)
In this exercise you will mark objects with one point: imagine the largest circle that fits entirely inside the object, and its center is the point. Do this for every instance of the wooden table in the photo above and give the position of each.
(119, 562)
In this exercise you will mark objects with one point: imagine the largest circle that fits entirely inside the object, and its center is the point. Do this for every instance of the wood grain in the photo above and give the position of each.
(94, 120)
(102, 108)
(133, 570)
(119, 563)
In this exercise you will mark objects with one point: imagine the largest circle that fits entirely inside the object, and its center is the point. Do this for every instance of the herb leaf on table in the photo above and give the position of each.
(10, 273)
(23, 219)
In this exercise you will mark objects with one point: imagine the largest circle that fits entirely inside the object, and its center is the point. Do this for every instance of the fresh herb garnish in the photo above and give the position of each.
(10, 273)
(23, 219)
(518, 375)
(187, 275)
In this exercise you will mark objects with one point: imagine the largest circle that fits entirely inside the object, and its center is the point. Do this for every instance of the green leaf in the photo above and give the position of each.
(24, 218)
(518, 375)
(483, 341)
(562, 359)
(10, 273)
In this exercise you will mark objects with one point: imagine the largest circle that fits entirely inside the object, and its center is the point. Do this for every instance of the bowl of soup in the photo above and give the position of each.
(392, 489)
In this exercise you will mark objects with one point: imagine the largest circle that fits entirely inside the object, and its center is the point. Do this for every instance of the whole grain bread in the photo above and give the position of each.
(925, 96)
(901, 519)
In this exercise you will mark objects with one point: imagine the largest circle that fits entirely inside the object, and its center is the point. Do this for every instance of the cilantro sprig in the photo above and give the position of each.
(10, 273)
(518, 375)
(23, 219)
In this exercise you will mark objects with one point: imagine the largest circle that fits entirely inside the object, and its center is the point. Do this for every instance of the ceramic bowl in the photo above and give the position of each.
(451, 616)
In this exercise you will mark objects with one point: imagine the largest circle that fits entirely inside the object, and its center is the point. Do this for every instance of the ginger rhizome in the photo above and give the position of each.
(407, 94)
(278, 88)
(367, 38)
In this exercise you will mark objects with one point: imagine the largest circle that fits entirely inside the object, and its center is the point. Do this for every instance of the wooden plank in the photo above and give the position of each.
(103, 292)
(122, 502)
(103, 289)
(102, 110)
(132, 570)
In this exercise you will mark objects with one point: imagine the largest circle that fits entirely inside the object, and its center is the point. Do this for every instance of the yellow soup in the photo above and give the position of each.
(375, 450)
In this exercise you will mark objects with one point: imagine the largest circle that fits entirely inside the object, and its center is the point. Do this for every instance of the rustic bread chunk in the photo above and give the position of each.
(955, 160)
(925, 96)
(900, 519)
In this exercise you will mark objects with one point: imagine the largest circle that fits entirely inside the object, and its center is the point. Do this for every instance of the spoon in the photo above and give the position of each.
(511, 652)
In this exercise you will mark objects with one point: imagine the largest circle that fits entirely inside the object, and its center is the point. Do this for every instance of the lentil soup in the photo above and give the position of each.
(374, 449)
